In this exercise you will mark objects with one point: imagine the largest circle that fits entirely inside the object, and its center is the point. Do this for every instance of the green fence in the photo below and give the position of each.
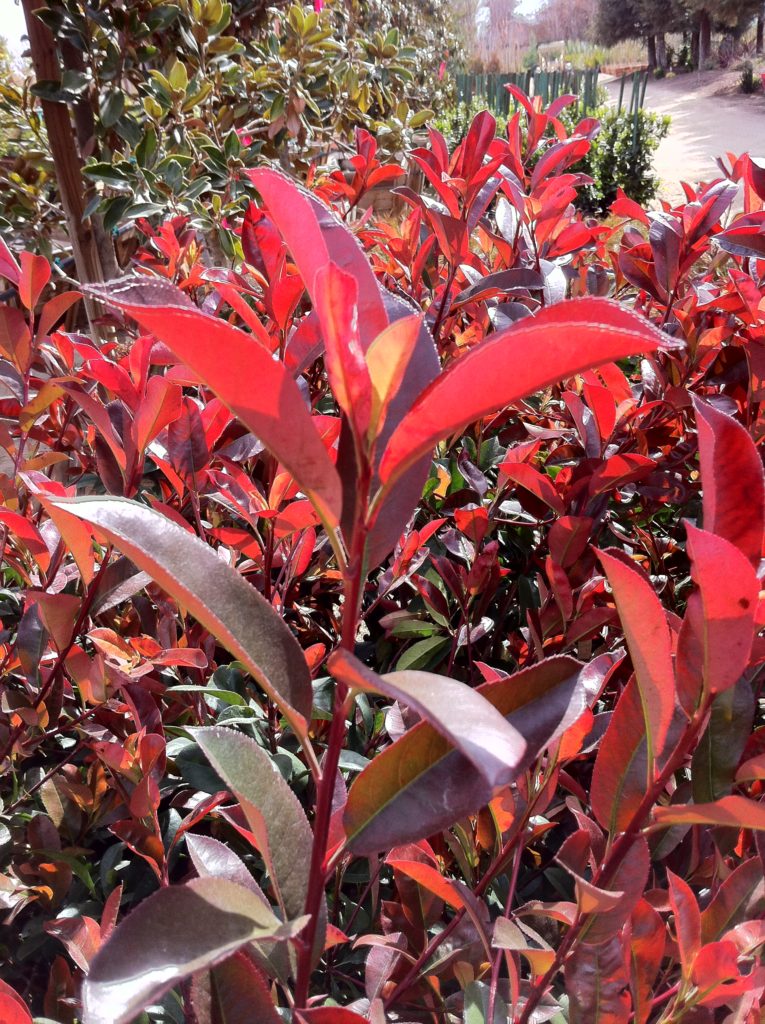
(547, 84)
(550, 85)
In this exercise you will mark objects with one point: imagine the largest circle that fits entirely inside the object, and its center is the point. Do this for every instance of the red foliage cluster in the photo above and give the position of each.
(295, 714)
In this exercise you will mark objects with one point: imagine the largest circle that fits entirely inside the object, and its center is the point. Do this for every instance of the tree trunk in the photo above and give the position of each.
(705, 38)
(66, 158)
(695, 49)
(87, 142)
(661, 50)
(651, 52)
(761, 29)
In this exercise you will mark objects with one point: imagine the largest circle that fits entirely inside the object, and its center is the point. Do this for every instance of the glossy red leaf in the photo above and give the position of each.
(687, 920)
(644, 622)
(734, 485)
(729, 606)
(337, 297)
(597, 984)
(314, 236)
(735, 812)
(161, 403)
(621, 766)
(35, 274)
(535, 352)
(13, 1009)
(214, 592)
(255, 387)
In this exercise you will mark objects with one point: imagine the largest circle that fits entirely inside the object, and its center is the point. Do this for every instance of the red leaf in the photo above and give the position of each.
(729, 591)
(80, 935)
(242, 992)
(337, 306)
(597, 984)
(730, 812)
(13, 1009)
(161, 403)
(314, 236)
(619, 776)
(647, 634)
(687, 920)
(741, 897)
(535, 352)
(187, 446)
(648, 941)
(53, 310)
(734, 485)
(330, 1015)
(9, 267)
(421, 784)
(214, 593)
(35, 274)
(462, 715)
(256, 388)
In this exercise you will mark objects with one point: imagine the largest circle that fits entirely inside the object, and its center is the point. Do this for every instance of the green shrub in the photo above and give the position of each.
(621, 156)
(748, 82)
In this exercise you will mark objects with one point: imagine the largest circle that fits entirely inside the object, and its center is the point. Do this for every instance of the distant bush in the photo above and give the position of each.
(621, 157)
(748, 82)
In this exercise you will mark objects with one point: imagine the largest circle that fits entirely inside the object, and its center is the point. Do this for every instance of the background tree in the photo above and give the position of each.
(729, 15)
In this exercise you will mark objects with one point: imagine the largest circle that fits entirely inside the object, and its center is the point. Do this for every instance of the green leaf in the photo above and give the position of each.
(215, 593)
(424, 653)
(178, 77)
(717, 756)
(175, 932)
(112, 106)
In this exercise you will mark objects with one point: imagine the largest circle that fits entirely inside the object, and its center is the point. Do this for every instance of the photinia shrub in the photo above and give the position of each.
(381, 615)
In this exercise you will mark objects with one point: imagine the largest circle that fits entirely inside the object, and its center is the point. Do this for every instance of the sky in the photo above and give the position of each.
(12, 20)
(12, 25)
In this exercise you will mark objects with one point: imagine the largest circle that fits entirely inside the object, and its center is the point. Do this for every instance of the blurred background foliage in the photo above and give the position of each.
(170, 102)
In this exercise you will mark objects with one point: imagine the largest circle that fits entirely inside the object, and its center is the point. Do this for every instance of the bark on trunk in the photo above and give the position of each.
(661, 50)
(695, 49)
(651, 52)
(66, 158)
(705, 38)
(761, 30)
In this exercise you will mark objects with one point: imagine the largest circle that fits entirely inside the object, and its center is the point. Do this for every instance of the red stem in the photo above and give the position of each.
(353, 587)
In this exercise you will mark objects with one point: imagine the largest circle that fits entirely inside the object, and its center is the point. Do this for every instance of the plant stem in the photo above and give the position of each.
(354, 580)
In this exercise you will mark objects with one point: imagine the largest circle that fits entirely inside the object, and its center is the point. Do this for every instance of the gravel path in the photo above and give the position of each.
(709, 119)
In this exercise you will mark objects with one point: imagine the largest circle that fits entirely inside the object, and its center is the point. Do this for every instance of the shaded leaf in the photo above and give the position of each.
(170, 935)
(597, 983)
(214, 592)
(421, 784)
(273, 812)
(462, 715)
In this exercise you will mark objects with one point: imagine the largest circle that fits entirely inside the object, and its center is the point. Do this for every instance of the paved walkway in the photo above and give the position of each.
(709, 119)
